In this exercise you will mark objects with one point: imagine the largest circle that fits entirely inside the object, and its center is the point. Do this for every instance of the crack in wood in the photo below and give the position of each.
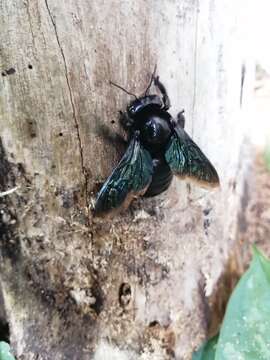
(71, 101)
(30, 22)
(243, 74)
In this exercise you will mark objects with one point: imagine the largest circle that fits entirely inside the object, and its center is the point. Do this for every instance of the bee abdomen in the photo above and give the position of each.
(161, 179)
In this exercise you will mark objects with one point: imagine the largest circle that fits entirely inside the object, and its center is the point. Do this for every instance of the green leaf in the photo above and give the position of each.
(207, 351)
(245, 332)
(5, 351)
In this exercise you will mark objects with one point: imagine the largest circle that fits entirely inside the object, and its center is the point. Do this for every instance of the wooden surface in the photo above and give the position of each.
(62, 273)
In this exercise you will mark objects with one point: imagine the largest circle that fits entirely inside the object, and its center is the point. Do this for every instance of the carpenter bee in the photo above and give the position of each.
(158, 148)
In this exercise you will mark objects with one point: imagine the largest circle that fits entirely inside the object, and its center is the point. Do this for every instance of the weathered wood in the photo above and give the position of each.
(134, 287)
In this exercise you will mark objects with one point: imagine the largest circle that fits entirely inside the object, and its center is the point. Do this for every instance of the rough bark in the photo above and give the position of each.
(135, 287)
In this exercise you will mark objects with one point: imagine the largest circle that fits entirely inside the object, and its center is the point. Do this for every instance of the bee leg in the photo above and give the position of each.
(106, 133)
(125, 121)
(181, 119)
(119, 139)
(162, 89)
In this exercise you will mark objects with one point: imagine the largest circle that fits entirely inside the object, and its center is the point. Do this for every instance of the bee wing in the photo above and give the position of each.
(130, 179)
(187, 161)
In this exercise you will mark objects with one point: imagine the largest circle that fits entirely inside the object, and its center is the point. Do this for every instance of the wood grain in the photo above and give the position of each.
(61, 271)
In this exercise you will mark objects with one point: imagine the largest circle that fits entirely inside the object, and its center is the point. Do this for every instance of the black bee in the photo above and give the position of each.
(158, 148)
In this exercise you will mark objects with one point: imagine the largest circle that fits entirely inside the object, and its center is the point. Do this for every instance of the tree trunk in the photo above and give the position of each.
(135, 287)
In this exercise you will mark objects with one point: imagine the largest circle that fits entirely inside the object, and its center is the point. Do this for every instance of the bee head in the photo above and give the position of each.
(142, 103)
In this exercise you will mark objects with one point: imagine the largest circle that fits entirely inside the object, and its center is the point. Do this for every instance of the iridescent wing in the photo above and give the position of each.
(187, 161)
(130, 179)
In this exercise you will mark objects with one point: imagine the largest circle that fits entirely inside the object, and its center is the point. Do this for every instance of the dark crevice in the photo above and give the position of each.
(99, 297)
(4, 330)
(9, 71)
(124, 294)
(153, 323)
(9, 238)
(4, 325)
(71, 101)
(218, 300)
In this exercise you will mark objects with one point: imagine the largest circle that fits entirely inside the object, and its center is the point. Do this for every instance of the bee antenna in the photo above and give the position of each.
(120, 87)
(151, 80)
